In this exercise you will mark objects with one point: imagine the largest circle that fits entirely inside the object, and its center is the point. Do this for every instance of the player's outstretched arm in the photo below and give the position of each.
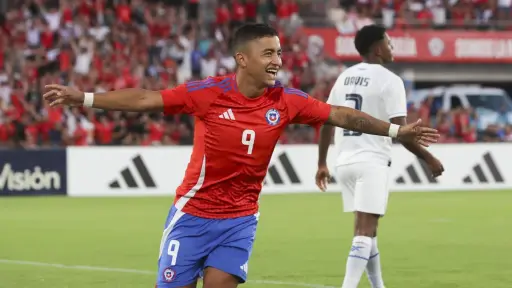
(133, 100)
(434, 164)
(355, 120)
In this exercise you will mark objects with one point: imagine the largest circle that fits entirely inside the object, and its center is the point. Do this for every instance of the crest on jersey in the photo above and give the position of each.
(272, 117)
(169, 274)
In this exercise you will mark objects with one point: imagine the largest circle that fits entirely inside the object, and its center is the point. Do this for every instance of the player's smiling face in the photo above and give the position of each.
(265, 59)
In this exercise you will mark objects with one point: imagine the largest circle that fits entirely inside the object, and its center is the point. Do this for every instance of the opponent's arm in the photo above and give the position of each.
(323, 143)
(413, 147)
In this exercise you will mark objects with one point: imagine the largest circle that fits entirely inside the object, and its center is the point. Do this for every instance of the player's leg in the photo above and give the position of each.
(373, 268)
(380, 193)
(370, 203)
(215, 278)
(227, 265)
(182, 252)
(349, 175)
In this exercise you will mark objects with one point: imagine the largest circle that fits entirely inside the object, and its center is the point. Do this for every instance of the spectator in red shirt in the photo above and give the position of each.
(238, 15)
(296, 80)
(6, 132)
(65, 58)
(301, 59)
(103, 130)
(284, 9)
(463, 128)
(222, 13)
(251, 10)
(424, 111)
(80, 136)
(146, 139)
(424, 17)
(124, 12)
(156, 129)
(444, 125)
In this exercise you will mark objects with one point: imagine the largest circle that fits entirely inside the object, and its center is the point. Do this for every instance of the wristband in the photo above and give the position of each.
(89, 100)
(393, 130)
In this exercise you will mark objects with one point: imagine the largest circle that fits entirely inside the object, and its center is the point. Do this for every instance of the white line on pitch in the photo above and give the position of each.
(145, 272)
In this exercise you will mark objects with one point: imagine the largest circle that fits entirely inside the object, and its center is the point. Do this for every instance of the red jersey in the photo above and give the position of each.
(234, 139)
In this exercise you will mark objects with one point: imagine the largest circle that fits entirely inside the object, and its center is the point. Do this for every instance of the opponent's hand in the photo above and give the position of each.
(322, 177)
(57, 95)
(415, 133)
(435, 166)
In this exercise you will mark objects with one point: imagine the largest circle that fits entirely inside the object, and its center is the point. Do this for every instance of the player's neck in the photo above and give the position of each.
(248, 87)
(373, 60)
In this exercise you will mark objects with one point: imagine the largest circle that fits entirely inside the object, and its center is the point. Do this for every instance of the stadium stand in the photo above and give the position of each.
(99, 45)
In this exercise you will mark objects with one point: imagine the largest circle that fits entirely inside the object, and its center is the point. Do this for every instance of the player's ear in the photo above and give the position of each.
(240, 60)
(378, 48)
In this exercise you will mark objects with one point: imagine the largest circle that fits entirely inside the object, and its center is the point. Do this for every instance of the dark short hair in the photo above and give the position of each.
(249, 32)
(367, 36)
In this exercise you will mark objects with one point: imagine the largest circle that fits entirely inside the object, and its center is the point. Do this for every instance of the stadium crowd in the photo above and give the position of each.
(404, 14)
(99, 45)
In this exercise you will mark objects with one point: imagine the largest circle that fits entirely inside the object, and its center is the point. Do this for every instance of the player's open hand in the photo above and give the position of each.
(414, 132)
(57, 95)
(322, 177)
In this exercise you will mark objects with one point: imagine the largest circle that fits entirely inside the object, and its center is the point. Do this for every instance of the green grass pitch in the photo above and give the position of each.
(434, 240)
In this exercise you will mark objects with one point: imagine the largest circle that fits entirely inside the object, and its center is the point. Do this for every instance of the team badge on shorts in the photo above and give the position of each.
(169, 274)
(272, 117)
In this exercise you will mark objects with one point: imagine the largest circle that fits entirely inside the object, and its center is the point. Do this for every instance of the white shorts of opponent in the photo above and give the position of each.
(364, 187)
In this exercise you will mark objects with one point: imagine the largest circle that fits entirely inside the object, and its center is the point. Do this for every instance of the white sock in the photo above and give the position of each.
(357, 261)
(373, 269)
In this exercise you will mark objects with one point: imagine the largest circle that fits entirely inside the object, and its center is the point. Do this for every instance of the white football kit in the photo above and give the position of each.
(363, 161)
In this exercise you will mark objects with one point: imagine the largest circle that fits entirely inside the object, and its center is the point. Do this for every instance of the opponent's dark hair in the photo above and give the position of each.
(249, 32)
(367, 36)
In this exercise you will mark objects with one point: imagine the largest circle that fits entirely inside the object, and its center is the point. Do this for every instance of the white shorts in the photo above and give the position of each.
(364, 187)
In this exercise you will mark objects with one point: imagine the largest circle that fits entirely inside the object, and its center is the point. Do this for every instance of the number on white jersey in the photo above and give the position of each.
(358, 103)
(248, 137)
(174, 247)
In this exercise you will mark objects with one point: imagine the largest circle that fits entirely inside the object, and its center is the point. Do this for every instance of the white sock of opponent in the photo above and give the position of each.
(373, 267)
(357, 261)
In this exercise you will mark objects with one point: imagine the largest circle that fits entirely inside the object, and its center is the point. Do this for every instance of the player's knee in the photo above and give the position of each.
(215, 278)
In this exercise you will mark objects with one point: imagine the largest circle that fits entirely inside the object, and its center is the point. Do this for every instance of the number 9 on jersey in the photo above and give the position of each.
(248, 137)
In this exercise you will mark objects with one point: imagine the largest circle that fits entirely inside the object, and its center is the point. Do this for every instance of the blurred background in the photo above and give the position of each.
(450, 53)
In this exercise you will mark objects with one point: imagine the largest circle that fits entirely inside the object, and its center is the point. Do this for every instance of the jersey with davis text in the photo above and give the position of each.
(375, 90)
(234, 138)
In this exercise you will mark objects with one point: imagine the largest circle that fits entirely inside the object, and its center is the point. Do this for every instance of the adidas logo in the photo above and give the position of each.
(227, 115)
(413, 175)
(129, 179)
(481, 176)
(276, 177)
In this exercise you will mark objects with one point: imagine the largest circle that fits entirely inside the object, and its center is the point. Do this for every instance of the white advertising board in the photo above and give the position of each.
(144, 171)
(126, 171)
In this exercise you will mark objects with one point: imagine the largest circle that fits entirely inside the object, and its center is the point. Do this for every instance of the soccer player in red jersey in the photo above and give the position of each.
(211, 227)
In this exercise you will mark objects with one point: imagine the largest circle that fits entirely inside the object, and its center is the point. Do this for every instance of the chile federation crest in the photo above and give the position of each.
(273, 117)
